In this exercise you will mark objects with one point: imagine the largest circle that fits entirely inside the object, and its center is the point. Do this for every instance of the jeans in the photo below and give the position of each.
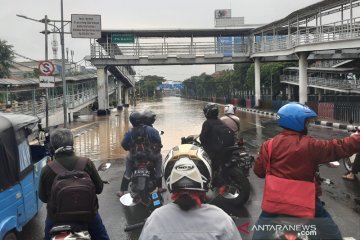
(96, 228)
(326, 228)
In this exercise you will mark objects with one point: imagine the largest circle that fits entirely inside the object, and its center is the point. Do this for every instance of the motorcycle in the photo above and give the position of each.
(349, 161)
(230, 181)
(143, 184)
(69, 232)
(75, 231)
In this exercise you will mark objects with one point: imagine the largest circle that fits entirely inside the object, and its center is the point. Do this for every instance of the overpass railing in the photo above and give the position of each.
(325, 82)
(78, 95)
(340, 30)
(169, 49)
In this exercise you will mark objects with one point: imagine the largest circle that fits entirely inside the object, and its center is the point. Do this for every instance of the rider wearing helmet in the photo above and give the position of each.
(187, 173)
(62, 142)
(149, 117)
(296, 156)
(232, 121)
(153, 138)
(211, 112)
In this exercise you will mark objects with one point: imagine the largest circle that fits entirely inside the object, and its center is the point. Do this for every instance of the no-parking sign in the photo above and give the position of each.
(46, 68)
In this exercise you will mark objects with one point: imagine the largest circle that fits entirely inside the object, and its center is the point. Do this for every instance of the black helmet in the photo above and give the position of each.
(211, 110)
(149, 117)
(135, 119)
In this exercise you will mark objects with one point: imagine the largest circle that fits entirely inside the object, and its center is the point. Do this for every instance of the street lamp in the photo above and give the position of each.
(46, 32)
(46, 21)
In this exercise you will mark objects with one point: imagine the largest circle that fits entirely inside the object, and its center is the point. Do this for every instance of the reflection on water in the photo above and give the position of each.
(177, 117)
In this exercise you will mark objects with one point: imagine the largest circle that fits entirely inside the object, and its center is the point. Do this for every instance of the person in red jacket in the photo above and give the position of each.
(296, 156)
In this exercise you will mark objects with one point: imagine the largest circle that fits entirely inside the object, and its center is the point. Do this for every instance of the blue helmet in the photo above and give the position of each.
(293, 116)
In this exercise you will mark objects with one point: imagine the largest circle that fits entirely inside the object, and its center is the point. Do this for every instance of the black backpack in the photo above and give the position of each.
(221, 137)
(140, 142)
(73, 194)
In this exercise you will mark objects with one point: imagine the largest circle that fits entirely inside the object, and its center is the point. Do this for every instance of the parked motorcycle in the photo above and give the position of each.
(349, 162)
(231, 180)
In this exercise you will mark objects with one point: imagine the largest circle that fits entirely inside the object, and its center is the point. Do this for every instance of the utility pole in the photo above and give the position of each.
(46, 89)
(63, 65)
(61, 31)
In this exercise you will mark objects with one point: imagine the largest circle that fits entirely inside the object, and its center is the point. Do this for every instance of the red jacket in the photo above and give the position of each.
(297, 156)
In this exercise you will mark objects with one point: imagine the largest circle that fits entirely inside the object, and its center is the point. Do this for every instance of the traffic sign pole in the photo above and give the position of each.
(46, 68)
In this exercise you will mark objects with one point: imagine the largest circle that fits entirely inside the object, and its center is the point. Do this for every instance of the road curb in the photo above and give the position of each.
(317, 122)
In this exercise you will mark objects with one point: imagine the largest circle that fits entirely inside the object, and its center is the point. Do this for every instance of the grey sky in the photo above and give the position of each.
(132, 14)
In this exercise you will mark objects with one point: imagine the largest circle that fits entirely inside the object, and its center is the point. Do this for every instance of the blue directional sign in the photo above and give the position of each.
(171, 86)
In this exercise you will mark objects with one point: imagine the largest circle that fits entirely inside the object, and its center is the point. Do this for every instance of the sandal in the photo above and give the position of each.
(347, 177)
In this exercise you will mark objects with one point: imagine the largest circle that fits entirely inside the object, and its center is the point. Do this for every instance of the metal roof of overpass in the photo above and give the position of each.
(191, 32)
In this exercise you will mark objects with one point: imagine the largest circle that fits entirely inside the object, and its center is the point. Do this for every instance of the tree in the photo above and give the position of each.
(6, 56)
(147, 86)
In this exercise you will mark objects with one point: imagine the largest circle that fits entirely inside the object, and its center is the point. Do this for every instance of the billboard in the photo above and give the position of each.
(222, 13)
(171, 86)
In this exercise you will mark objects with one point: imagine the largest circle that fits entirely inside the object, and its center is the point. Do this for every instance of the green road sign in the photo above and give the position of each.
(122, 38)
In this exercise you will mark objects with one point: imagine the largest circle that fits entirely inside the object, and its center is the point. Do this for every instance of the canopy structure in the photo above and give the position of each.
(9, 155)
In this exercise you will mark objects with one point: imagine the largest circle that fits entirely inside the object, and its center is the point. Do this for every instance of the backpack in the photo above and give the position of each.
(73, 194)
(221, 137)
(140, 142)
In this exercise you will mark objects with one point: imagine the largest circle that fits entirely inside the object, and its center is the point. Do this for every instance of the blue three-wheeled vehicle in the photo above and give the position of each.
(20, 168)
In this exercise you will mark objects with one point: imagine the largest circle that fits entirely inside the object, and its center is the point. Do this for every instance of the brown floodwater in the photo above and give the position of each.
(100, 138)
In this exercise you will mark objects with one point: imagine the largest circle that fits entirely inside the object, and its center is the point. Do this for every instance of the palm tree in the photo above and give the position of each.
(6, 56)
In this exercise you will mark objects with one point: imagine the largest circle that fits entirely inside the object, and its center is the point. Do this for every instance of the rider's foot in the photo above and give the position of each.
(120, 193)
(162, 190)
(349, 176)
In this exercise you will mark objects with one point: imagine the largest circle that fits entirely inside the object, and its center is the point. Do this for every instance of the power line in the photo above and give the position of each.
(22, 56)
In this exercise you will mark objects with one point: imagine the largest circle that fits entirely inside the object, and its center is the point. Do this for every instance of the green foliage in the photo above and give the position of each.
(34, 74)
(6, 56)
(230, 82)
(147, 86)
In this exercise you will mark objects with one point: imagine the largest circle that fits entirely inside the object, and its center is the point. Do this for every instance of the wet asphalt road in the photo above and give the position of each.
(100, 139)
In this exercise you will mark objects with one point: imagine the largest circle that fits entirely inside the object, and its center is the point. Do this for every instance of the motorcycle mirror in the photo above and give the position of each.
(104, 166)
(127, 200)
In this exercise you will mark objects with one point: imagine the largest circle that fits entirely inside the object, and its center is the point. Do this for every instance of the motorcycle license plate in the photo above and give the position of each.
(142, 173)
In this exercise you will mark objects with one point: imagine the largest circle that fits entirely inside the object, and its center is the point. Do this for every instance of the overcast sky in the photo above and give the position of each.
(132, 14)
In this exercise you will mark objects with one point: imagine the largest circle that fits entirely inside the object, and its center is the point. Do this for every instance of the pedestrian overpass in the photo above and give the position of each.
(327, 30)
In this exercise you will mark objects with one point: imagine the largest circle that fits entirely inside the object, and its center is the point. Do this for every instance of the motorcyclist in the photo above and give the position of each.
(62, 142)
(136, 119)
(149, 118)
(211, 112)
(187, 173)
(231, 120)
(296, 156)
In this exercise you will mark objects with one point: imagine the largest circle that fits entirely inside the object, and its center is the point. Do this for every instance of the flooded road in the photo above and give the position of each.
(99, 138)
(175, 116)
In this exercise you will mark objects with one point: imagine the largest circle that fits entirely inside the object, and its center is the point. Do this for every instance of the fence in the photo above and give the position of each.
(338, 111)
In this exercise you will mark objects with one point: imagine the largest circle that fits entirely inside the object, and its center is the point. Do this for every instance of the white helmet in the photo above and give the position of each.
(187, 167)
(229, 109)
